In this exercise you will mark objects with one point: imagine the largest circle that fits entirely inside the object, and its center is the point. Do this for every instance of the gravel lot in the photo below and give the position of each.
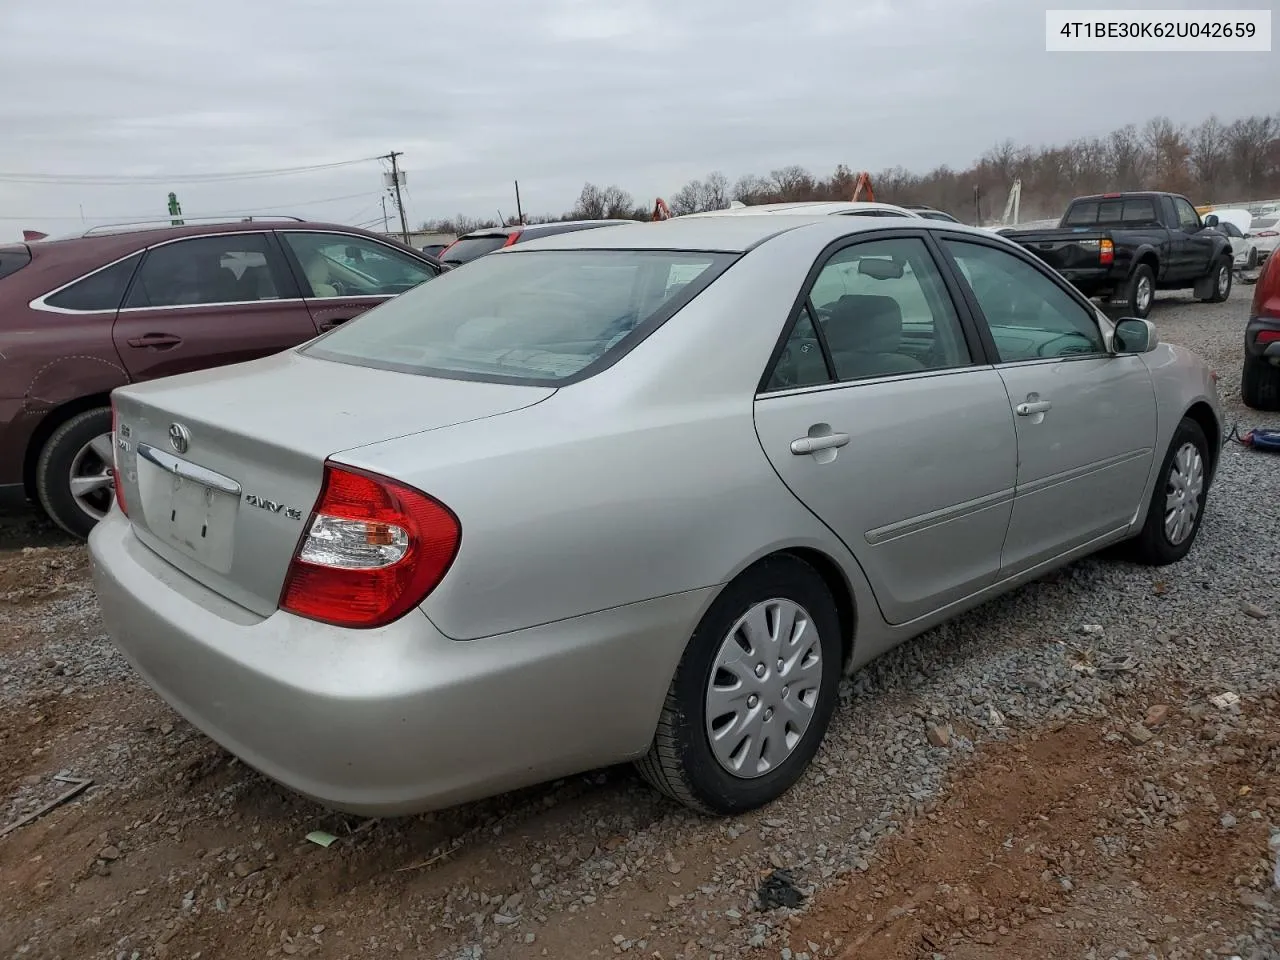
(1063, 815)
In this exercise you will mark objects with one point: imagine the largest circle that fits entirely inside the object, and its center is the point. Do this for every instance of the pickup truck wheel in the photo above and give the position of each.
(1221, 288)
(1177, 502)
(73, 473)
(1260, 385)
(1142, 292)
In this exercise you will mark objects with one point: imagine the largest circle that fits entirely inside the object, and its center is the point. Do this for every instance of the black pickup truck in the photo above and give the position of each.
(1126, 246)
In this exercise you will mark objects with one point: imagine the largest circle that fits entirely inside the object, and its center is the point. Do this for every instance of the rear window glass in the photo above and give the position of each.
(13, 258)
(469, 248)
(1135, 210)
(99, 291)
(540, 316)
(1265, 223)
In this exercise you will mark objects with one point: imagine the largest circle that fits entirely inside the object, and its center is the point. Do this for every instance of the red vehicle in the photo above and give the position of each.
(1260, 378)
(82, 315)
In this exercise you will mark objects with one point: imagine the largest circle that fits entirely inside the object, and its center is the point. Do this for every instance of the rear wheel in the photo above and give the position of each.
(754, 692)
(1221, 288)
(1177, 503)
(1141, 292)
(1260, 384)
(1252, 262)
(73, 474)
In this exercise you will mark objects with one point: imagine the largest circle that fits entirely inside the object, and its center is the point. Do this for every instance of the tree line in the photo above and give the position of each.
(1213, 161)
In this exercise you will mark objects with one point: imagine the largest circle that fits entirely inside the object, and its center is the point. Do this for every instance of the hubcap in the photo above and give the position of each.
(1144, 294)
(90, 477)
(1182, 493)
(764, 688)
(1224, 278)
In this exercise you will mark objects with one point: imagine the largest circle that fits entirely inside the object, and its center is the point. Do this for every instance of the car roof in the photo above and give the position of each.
(814, 207)
(727, 233)
(506, 231)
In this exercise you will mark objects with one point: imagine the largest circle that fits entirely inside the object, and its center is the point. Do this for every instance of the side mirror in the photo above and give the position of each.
(1135, 336)
(1211, 220)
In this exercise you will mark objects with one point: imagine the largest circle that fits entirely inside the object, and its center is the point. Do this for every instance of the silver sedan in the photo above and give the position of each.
(642, 493)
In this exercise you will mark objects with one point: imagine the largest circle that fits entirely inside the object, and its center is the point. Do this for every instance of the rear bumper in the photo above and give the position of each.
(401, 719)
(1269, 351)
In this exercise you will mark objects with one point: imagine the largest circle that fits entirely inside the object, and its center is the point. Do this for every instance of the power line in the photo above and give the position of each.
(217, 213)
(104, 180)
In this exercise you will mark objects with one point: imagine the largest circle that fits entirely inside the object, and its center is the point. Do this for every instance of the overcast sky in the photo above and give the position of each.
(646, 94)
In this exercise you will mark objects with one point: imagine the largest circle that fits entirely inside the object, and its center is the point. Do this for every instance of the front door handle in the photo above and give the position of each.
(830, 441)
(155, 340)
(1033, 407)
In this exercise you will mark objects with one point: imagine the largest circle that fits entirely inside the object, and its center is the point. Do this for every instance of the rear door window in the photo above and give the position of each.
(226, 268)
(99, 291)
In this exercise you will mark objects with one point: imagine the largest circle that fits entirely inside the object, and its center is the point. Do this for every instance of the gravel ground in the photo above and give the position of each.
(178, 851)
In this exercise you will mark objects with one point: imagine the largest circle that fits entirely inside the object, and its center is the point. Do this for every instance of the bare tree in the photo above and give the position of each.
(591, 203)
(1208, 152)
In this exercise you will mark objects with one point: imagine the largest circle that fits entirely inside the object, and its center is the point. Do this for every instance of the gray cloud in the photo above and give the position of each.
(645, 94)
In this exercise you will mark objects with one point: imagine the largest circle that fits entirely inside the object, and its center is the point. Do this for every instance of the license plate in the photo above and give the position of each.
(199, 520)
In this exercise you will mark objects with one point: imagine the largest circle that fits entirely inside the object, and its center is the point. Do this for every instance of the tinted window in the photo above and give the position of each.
(937, 215)
(98, 291)
(539, 316)
(13, 258)
(1188, 219)
(1230, 229)
(338, 265)
(1030, 316)
(801, 363)
(1130, 210)
(229, 268)
(471, 248)
(883, 309)
(1264, 223)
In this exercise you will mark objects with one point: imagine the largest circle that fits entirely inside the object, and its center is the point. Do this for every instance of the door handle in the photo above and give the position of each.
(1031, 408)
(155, 340)
(806, 445)
(326, 325)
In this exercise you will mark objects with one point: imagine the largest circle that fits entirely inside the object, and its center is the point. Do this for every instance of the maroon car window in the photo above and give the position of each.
(101, 290)
(227, 268)
(341, 265)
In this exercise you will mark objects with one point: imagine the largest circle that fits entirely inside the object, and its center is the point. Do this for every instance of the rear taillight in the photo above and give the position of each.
(115, 461)
(1267, 336)
(373, 550)
(1107, 253)
(1265, 233)
(513, 238)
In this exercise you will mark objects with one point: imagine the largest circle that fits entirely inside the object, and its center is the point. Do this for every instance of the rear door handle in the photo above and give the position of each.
(334, 322)
(806, 445)
(155, 340)
(1032, 408)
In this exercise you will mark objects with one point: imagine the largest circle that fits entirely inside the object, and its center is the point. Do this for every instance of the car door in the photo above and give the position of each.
(1195, 242)
(204, 301)
(343, 274)
(881, 415)
(1085, 418)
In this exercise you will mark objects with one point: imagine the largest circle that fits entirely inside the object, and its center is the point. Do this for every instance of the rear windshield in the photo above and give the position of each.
(13, 257)
(536, 316)
(469, 248)
(1133, 210)
(1265, 223)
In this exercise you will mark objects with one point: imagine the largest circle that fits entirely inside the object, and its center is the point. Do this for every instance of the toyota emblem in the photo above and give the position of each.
(179, 437)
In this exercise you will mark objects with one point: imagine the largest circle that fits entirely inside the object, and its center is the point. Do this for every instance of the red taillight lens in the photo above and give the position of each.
(372, 551)
(513, 238)
(1107, 253)
(1267, 233)
(1268, 336)
(116, 480)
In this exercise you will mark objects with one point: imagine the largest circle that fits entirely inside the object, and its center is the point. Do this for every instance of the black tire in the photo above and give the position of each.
(1153, 546)
(1222, 276)
(1260, 385)
(1136, 302)
(54, 467)
(1252, 262)
(680, 762)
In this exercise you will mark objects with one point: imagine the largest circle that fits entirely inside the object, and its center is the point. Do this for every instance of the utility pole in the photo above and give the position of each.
(395, 182)
(385, 227)
(519, 210)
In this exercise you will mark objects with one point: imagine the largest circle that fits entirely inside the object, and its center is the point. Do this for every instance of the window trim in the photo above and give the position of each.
(1199, 223)
(980, 353)
(980, 318)
(285, 281)
(300, 277)
(41, 302)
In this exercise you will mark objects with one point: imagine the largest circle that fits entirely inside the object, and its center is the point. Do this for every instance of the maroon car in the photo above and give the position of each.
(82, 315)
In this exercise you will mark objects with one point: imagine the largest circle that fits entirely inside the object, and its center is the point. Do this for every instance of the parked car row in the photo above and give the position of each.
(692, 472)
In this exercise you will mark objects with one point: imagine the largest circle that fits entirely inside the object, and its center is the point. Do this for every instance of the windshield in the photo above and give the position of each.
(469, 248)
(538, 317)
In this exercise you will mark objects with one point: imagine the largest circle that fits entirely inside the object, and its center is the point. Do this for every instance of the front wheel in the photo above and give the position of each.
(1177, 503)
(73, 473)
(754, 692)
(1252, 262)
(1141, 293)
(1221, 288)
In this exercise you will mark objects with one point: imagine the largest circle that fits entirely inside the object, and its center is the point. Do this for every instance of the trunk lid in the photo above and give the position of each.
(221, 468)
(1063, 249)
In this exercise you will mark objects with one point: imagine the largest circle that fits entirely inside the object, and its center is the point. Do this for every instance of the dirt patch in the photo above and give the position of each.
(1072, 841)
(35, 574)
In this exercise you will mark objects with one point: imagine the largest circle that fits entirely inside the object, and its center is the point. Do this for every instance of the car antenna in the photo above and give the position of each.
(501, 219)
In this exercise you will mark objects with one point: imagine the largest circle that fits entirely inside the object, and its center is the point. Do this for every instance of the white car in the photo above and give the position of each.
(1235, 223)
(1264, 232)
(817, 208)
